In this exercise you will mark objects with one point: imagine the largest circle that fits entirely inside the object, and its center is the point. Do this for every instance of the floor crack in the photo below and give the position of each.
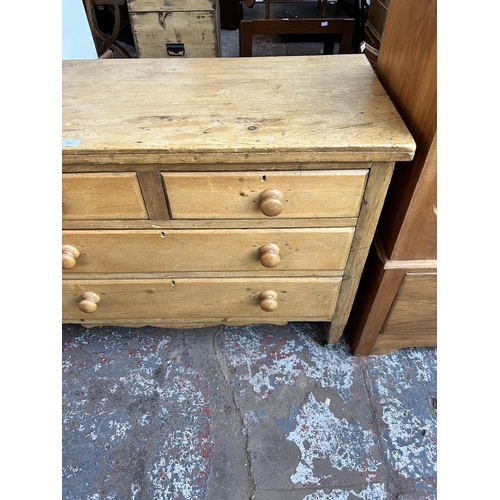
(221, 364)
(372, 405)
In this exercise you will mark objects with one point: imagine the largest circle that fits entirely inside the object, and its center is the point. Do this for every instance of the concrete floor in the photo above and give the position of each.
(251, 413)
(257, 412)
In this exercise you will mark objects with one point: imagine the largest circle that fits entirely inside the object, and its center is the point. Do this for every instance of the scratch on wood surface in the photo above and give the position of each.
(161, 19)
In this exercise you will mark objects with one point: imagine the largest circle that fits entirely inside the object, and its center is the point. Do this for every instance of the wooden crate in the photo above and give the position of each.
(191, 28)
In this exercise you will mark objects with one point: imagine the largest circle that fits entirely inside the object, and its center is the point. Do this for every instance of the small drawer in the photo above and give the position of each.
(102, 196)
(197, 250)
(255, 299)
(253, 195)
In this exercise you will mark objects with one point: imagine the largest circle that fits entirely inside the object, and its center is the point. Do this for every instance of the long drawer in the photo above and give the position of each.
(256, 299)
(147, 251)
(249, 195)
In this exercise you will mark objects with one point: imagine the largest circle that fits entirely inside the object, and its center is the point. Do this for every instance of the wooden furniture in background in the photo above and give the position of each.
(230, 14)
(370, 52)
(344, 28)
(107, 55)
(396, 305)
(247, 193)
(177, 28)
(322, 4)
(103, 41)
(375, 22)
(357, 9)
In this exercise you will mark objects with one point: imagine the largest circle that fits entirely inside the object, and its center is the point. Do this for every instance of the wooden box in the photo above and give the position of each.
(175, 28)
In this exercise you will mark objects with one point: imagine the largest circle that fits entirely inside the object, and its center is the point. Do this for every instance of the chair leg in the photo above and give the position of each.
(324, 5)
(329, 45)
(246, 38)
(347, 36)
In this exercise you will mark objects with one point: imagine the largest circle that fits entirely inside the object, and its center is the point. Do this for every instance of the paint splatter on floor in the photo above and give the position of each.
(383, 421)
(404, 386)
(371, 492)
(142, 407)
(120, 389)
(320, 435)
(266, 362)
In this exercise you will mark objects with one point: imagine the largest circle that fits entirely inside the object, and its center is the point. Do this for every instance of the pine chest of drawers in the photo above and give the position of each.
(222, 191)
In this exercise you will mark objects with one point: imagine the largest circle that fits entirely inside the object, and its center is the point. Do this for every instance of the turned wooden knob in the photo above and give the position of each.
(271, 202)
(270, 255)
(69, 256)
(89, 301)
(269, 301)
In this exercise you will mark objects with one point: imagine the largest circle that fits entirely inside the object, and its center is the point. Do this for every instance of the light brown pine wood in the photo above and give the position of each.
(312, 108)
(102, 196)
(253, 201)
(378, 182)
(69, 256)
(156, 251)
(272, 222)
(243, 195)
(301, 298)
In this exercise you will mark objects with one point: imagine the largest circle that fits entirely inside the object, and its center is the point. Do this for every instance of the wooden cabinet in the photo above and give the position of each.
(175, 28)
(396, 302)
(248, 193)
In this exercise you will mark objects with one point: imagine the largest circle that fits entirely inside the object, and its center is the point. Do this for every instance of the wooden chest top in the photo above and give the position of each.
(310, 108)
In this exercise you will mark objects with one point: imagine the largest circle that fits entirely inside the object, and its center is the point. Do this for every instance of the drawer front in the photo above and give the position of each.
(196, 30)
(251, 195)
(102, 196)
(200, 298)
(319, 249)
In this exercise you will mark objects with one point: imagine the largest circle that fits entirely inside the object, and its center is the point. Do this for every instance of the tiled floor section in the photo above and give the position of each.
(257, 412)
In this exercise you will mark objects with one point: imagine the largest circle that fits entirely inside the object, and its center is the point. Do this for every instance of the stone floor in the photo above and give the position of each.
(240, 413)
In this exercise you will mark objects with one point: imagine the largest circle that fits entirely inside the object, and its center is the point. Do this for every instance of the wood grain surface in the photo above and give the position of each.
(236, 109)
(198, 250)
(306, 298)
